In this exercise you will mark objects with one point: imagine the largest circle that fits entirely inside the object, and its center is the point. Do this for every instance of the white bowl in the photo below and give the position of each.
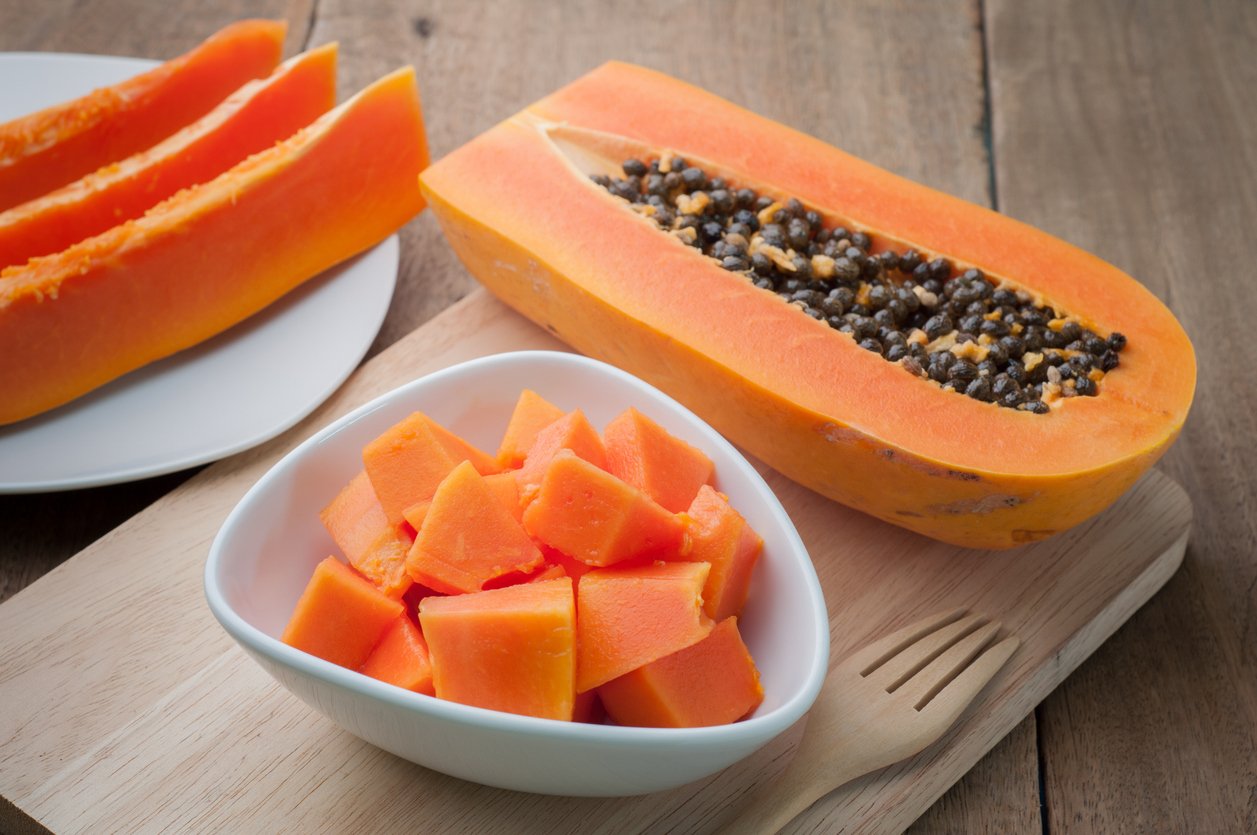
(268, 547)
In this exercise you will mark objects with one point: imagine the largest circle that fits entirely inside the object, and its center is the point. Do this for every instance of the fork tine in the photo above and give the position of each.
(934, 676)
(956, 696)
(909, 661)
(869, 658)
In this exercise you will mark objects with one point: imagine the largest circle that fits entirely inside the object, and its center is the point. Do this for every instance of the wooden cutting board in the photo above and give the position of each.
(127, 708)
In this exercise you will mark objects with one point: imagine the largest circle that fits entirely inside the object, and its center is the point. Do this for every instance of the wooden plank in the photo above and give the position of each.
(126, 723)
(1130, 130)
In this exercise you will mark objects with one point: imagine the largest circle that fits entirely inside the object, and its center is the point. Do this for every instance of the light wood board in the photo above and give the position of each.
(129, 709)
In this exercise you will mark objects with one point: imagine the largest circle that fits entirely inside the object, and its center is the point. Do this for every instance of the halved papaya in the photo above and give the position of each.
(251, 119)
(213, 254)
(45, 150)
(541, 211)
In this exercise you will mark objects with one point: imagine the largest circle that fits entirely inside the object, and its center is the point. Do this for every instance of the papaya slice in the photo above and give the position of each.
(212, 255)
(340, 616)
(532, 413)
(510, 649)
(572, 432)
(713, 682)
(409, 460)
(720, 537)
(645, 455)
(469, 537)
(401, 658)
(537, 211)
(45, 150)
(376, 549)
(251, 119)
(592, 516)
(630, 617)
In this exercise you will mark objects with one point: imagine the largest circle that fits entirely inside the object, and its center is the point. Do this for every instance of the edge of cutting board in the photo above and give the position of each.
(104, 727)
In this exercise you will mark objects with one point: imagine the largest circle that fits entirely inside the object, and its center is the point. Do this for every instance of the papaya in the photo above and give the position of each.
(408, 461)
(469, 537)
(572, 432)
(712, 682)
(211, 255)
(595, 518)
(532, 413)
(401, 658)
(720, 537)
(510, 649)
(340, 617)
(251, 119)
(630, 617)
(644, 454)
(376, 549)
(920, 358)
(45, 150)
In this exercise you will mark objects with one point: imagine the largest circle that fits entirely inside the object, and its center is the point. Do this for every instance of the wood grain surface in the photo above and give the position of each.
(1125, 128)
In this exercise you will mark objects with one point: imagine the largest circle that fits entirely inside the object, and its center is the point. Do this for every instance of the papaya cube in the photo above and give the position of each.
(468, 537)
(630, 617)
(408, 461)
(647, 456)
(510, 649)
(375, 548)
(591, 515)
(340, 616)
(720, 536)
(572, 432)
(532, 414)
(401, 658)
(712, 682)
(503, 486)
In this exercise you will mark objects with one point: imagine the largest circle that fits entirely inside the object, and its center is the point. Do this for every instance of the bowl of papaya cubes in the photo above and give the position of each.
(531, 570)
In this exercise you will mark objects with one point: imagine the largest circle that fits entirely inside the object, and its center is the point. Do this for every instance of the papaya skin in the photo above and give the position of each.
(49, 148)
(796, 393)
(210, 256)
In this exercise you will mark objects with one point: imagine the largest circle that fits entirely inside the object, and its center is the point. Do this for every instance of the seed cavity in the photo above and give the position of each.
(957, 328)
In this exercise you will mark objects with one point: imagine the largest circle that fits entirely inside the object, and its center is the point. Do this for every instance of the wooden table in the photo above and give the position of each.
(1127, 129)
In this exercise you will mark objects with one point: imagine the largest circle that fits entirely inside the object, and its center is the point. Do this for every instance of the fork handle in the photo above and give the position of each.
(827, 757)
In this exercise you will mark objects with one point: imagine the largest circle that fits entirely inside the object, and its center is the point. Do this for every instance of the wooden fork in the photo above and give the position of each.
(882, 704)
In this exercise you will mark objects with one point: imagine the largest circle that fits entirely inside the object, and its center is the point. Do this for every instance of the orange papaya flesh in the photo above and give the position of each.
(340, 616)
(572, 432)
(518, 207)
(45, 150)
(503, 486)
(468, 537)
(532, 413)
(720, 537)
(401, 658)
(212, 255)
(408, 461)
(592, 516)
(645, 455)
(510, 649)
(376, 549)
(712, 682)
(251, 119)
(633, 616)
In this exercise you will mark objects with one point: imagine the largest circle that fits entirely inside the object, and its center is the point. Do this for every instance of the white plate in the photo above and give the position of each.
(225, 395)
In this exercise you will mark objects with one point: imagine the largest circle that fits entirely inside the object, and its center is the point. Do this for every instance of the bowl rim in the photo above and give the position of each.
(259, 643)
